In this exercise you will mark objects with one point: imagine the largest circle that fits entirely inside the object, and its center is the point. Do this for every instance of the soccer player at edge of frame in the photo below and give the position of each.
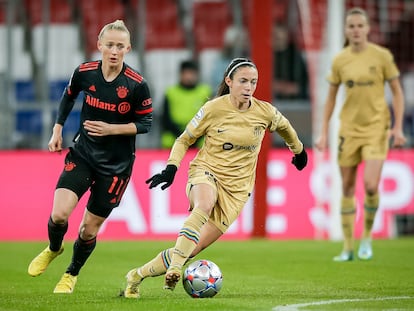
(116, 107)
(365, 131)
(222, 174)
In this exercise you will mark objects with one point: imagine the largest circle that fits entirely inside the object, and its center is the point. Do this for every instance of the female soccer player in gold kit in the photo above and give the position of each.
(365, 130)
(222, 174)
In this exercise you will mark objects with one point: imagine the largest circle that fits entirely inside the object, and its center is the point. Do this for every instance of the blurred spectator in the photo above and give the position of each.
(181, 102)
(403, 50)
(398, 42)
(290, 71)
(235, 44)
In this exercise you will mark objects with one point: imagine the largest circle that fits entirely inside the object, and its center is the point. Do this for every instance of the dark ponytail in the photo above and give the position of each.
(223, 88)
(346, 43)
(234, 65)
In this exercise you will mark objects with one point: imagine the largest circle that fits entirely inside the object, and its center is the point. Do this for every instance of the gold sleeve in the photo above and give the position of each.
(194, 129)
(180, 147)
(289, 135)
(334, 76)
(390, 68)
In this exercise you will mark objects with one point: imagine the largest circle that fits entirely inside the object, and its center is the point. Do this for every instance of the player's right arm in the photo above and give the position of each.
(195, 129)
(55, 142)
(322, 141)
(65, 107)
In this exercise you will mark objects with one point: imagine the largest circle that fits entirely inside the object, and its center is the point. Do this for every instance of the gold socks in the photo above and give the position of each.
(156, 266)
(348, 221)
(188, 237)
(370, 209)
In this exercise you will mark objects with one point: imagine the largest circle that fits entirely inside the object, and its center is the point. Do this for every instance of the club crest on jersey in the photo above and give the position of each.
(257, 131)
(122, 91)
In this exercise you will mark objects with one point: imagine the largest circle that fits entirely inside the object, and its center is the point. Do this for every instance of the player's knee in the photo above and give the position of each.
(348, 192)
(348, 188)
(86, 236)
(371, 188)
(59, 217)
(88, 232)
(206, 207)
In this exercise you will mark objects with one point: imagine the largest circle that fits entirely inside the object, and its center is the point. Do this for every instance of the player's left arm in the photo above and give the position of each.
(101, 128)
(283, 127)
(280, 124)
(143, 111)
(398, 108)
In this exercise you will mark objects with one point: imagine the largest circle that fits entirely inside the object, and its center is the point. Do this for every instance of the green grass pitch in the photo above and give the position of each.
(258, 275)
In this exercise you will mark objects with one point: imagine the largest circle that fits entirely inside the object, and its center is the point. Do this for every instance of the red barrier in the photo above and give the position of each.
(28, 179)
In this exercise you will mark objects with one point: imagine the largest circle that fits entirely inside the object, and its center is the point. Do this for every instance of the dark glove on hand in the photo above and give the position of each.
(166, 177)
(300, 160)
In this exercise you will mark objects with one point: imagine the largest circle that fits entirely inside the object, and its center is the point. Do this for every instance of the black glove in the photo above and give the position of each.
(166, 177)
(300, 160)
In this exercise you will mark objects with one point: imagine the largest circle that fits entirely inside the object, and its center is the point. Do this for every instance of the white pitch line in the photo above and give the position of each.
(295, 307)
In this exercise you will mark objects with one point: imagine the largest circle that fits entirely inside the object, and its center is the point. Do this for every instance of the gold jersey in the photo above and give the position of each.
(233, 140)
(365, 112)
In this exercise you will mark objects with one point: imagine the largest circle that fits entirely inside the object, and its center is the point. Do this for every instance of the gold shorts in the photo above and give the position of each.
(353, 150)
(227, 207)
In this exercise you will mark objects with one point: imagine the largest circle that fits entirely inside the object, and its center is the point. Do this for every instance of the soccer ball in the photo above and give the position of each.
(202, 279)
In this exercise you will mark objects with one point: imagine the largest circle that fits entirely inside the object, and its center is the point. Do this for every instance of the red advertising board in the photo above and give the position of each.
(299, 202)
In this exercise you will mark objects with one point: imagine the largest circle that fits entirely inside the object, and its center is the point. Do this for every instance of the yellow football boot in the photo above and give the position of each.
(42, 261)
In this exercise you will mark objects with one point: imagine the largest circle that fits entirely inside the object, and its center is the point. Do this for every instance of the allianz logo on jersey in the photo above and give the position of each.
(123, 107)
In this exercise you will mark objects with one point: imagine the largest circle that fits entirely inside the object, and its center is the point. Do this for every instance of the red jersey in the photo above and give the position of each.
(124, 100)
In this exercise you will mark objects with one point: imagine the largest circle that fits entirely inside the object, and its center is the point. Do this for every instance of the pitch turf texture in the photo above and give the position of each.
(258, 275)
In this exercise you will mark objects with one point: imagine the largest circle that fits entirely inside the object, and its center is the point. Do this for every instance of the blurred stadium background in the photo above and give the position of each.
(44, 40)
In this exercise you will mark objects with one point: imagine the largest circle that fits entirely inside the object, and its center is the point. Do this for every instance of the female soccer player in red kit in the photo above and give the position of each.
(116, 107)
